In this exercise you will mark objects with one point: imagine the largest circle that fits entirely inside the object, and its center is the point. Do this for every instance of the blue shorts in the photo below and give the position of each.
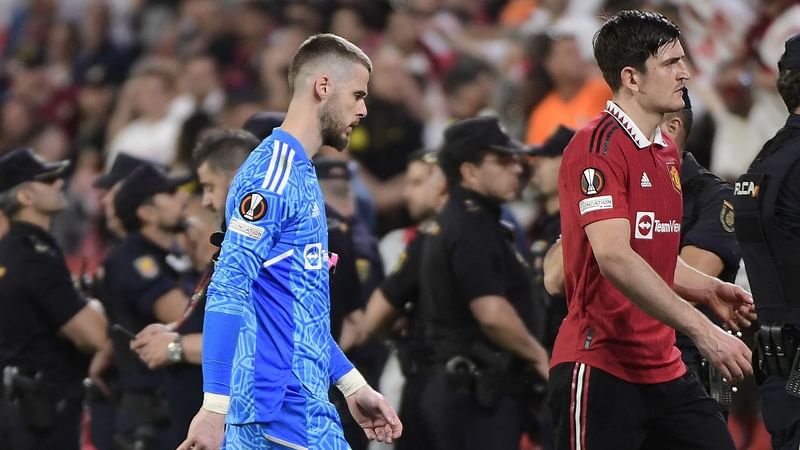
(304, 422)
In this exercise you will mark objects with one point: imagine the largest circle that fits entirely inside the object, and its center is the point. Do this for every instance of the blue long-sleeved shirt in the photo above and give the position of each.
(267, 317)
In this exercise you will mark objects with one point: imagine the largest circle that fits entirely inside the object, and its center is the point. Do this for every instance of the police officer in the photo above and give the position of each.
(178, 346)
(476, 296)
(357, 272)
(767, 204)
(545, 161)
(397, 298)
(708, 242)
(140, 287)
(47, 329)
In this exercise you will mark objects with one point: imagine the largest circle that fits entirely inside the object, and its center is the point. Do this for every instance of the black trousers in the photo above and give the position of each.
(456, 422)
(781, 414)
(415, 435)
(594, 410)
(64, 433)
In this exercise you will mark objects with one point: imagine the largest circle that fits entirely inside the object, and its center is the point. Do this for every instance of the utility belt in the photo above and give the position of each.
(488, 375)
(414, 356)
(717, 387)
(37, 398)
(146, 415)
(777, 354)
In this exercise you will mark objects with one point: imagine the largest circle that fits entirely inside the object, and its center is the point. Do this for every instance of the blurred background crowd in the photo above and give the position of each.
(87, 80)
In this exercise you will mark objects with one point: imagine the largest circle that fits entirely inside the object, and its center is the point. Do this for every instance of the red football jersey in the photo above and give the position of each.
(611, 170)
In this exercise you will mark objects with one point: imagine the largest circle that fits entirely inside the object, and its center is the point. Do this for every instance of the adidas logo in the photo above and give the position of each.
(646, 181)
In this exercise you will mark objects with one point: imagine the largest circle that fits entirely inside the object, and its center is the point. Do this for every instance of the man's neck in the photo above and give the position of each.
(646, 121)
(304, 126)
(568, 89)
(551, 204)
(158, 236)
(29, 216)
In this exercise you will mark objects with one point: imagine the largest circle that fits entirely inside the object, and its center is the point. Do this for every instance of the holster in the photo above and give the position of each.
(34, 397)
(776, 346)
(484, 374)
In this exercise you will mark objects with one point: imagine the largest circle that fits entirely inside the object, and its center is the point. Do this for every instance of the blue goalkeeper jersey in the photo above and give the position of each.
(267, 322)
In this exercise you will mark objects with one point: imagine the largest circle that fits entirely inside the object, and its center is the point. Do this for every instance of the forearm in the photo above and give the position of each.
(502, 325)
(553, 267)
(631, 274)
(193, 348)
(350, 330)
(378, 315)
(693, 285)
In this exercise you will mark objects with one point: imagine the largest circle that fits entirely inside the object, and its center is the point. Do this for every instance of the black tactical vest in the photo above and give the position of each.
(771, 252)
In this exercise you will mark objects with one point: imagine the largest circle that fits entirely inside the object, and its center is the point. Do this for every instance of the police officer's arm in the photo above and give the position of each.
(633, 276)
(87, 329)
(171, 306)
(378, 315)
(503, 326)
(480, 274)
(703, 260)
(553, 267)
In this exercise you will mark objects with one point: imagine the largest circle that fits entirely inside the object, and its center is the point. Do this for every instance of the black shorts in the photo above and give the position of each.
(594, 410)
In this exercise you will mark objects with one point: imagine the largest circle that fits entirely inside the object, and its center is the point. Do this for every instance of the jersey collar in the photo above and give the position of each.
(633, 131)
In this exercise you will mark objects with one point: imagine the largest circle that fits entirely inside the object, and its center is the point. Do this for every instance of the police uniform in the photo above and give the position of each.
(41, 391)
(135, 275)
(470, 254)
(708, 224)
(402, 290)
(767, 203)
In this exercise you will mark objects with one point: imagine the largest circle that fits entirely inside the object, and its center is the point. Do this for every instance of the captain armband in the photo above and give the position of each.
(351, 382)
(216, 403)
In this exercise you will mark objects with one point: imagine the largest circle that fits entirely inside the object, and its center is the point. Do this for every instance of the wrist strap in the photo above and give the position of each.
(216, 403)
(351, 382)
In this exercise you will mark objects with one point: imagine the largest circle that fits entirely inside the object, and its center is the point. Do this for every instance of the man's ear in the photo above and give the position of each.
(674, 126)
(323, 87)
(468, 170)
(631, 78)
(146, 213)
(24, 195)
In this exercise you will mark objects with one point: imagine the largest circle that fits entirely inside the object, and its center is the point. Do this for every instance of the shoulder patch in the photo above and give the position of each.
(471, 206)
(592, 181)
(253, 207)
(146, 266)
(726, 216)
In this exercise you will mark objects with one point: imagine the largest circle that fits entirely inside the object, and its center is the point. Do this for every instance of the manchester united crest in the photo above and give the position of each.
(674, 176)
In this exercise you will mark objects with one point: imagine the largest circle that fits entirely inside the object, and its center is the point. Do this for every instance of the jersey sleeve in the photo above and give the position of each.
(593, 183)
(340, 365)
(712, 227)
(254, 216)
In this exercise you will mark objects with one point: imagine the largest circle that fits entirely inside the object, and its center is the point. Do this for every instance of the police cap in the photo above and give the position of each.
(23, 165)
(123, 165)
(144, 182)
(555, 144)
(791, 56)
(262, 123)
(331, 169)
(468, 139)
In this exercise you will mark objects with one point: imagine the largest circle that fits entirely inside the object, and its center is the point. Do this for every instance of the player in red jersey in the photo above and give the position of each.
(617, 380)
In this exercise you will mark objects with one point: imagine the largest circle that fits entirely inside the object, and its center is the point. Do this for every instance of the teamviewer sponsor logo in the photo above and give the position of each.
(647, 224)
(312, 256)
(644, 225)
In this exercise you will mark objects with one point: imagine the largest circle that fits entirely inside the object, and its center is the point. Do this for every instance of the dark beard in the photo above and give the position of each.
(331, 136)
(178, 227)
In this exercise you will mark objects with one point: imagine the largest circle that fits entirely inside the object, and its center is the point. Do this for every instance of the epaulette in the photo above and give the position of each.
(40, 246)
(472, 206)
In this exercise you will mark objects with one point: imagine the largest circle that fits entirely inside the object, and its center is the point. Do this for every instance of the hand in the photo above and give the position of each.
(154, 328)
(205, 432)
(733, 305)
(727, 353)
(374, 414)
(152, 348)
(543, 369)
(101, 361)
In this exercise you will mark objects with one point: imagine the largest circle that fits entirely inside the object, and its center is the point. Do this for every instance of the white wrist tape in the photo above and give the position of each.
(351, 382)
(216, 403)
